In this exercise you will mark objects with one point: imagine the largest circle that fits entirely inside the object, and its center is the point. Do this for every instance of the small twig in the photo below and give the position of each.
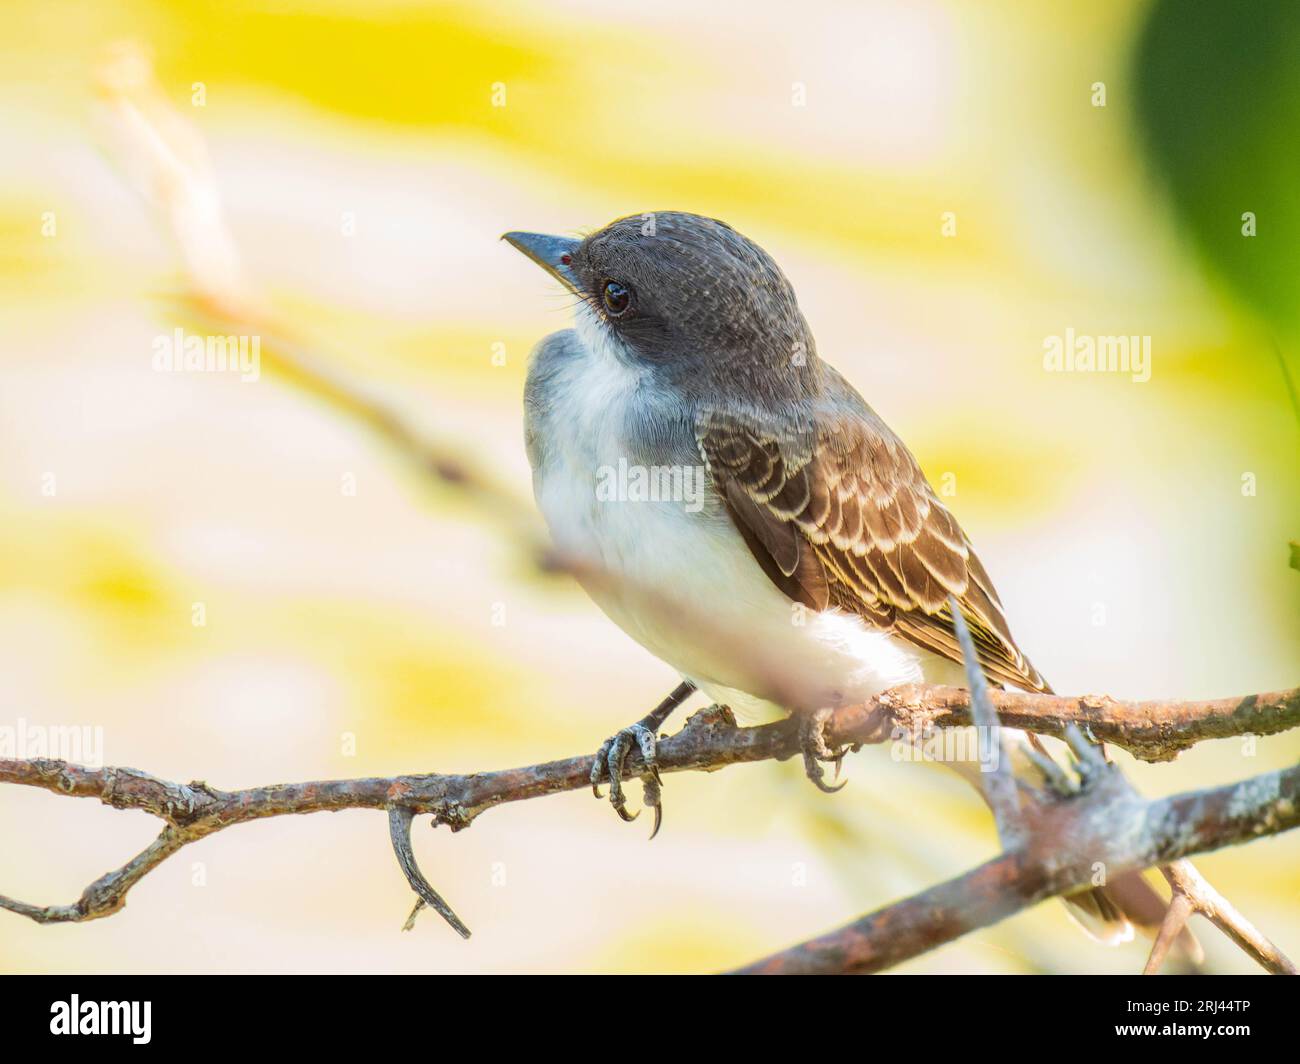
(1192, 894)
(1089, 760)
(999, 785)
(107, 894)
(1180, 910)
(399, 828)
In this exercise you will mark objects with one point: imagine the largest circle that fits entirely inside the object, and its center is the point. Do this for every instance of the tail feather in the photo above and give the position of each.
(1099, 916)
(1110, 914)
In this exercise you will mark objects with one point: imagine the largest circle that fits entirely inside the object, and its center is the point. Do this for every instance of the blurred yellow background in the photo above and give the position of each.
(367, 173)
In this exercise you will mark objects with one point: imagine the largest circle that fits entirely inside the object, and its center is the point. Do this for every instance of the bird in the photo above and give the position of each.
(788, 512)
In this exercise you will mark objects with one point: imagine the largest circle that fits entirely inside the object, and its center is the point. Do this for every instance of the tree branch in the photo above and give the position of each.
(1109, 823)
(709, 741)
(1154, 730)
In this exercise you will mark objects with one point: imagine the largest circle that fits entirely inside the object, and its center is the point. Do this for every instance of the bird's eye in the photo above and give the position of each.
(618, 299)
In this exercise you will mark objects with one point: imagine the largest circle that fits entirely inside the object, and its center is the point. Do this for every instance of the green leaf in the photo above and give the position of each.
(1218, 102)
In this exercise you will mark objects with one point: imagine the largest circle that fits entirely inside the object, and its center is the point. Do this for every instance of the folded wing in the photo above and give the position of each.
(838, 513)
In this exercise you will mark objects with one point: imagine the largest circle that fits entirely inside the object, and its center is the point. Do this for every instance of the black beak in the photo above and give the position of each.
(551, 253)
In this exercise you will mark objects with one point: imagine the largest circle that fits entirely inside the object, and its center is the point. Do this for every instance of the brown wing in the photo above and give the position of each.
(838, 513)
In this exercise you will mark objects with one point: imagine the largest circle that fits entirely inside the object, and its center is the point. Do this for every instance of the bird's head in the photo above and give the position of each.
(679, 292)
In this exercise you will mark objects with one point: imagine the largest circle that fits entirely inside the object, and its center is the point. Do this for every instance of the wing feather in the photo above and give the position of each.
(838, 512)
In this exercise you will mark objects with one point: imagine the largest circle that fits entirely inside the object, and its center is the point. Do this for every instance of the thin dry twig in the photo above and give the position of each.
(1175, 921)
(999, 785)
(400, 818)
(1192, 894)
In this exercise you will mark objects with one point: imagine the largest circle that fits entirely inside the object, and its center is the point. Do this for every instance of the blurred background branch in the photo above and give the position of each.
(166, 161)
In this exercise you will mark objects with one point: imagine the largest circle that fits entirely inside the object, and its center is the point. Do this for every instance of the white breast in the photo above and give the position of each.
(654, 553)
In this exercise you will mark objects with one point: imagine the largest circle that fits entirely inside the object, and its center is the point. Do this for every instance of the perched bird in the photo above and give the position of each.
(802, 522)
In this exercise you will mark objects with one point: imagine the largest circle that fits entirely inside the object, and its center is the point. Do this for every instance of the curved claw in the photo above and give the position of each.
(613, 756)
(827, 788)
(812, 740)
(652, 788)
(813, 770)
(610, 763)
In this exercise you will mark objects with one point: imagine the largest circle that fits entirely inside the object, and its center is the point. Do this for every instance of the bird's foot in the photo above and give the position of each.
(643, 736)
(812, 741)
(611, 760)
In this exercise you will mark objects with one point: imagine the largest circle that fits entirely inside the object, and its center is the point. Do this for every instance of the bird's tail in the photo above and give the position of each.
(1100, 916)
(1110, 914)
